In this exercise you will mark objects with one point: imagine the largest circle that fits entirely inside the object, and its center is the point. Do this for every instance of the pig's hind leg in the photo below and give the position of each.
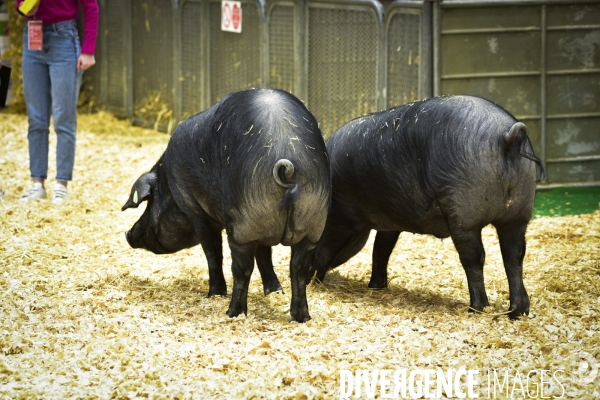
(242, 256)
(512, 246)
(302, 254)
(472, 256)
(336, 247)
(264, 261)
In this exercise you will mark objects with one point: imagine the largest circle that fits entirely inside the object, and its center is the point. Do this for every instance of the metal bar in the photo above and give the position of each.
(573, 159)
(573, 28)
(568, 184)
(205, 54)
(574, 115)
(298, 49)
(410, 3)
(574, 72)
(103, 47)
(382, 61)
(426, 50)
(128, 37)
(527, 117)
(437, 37)
(491, 30)
(543, 87)
(492, 75)
(264, 44)
(303, 50)
(177, 72)
(503, 3)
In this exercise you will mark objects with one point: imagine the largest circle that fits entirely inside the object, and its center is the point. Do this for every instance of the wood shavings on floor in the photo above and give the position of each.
(82, 315)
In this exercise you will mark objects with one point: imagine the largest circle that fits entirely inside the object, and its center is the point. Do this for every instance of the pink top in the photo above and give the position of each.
(53, 11)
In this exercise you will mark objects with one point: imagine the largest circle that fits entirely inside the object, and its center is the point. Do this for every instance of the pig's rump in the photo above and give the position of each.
(229, 153)
(257, 208)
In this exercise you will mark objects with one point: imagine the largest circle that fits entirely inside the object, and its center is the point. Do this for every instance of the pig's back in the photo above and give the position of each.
(408, 167)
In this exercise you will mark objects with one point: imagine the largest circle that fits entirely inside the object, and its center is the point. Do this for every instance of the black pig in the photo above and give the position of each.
(445, 166)
(254, 164)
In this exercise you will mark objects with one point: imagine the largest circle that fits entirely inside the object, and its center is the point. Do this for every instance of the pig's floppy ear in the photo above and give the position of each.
(141, 190)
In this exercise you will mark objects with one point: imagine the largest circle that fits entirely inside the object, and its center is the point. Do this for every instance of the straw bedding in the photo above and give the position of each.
(82, 315)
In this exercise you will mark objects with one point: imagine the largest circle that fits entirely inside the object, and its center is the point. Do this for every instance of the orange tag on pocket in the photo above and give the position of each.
(36, 37)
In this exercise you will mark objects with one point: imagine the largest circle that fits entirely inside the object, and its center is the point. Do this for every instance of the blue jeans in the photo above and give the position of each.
(51, 87)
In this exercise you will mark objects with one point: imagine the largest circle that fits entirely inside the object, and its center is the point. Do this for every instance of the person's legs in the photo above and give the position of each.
(62, 59)
(36, 88)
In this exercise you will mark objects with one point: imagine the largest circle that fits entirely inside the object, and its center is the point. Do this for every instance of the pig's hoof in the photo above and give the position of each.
(521, 308)
(300, 316)
(272, 287)
(219, 291)
(378, 284)
(233, 312)
(478, 306)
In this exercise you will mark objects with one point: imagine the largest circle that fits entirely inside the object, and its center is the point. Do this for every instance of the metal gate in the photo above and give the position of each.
(164, 60)
(539, 60)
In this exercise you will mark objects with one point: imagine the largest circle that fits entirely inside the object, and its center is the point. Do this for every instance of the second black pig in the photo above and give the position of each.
(254, 164)
(444, 166)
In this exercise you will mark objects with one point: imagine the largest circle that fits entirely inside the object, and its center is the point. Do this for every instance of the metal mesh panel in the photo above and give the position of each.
(115, 52)
(191, 59)
(234, 57)
(282, 43)
(342, 65)
(403, 58)
(152, 31)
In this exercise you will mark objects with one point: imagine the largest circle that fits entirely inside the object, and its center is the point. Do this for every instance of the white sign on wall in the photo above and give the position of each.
(231, 16)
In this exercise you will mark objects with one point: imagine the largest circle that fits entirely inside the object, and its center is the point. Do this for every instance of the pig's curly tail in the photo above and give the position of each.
(511, 136)
(283, 172)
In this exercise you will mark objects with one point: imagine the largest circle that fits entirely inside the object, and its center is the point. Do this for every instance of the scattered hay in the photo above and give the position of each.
(82, 315)
(155, 112)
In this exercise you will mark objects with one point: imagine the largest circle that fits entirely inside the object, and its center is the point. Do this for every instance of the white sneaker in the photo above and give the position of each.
(59, 194)
(35, 192)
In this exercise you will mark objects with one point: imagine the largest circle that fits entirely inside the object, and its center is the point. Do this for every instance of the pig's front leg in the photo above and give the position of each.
(382, 249)
(264, 261)
(241, 267)
(472, 256)
(212, 244)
